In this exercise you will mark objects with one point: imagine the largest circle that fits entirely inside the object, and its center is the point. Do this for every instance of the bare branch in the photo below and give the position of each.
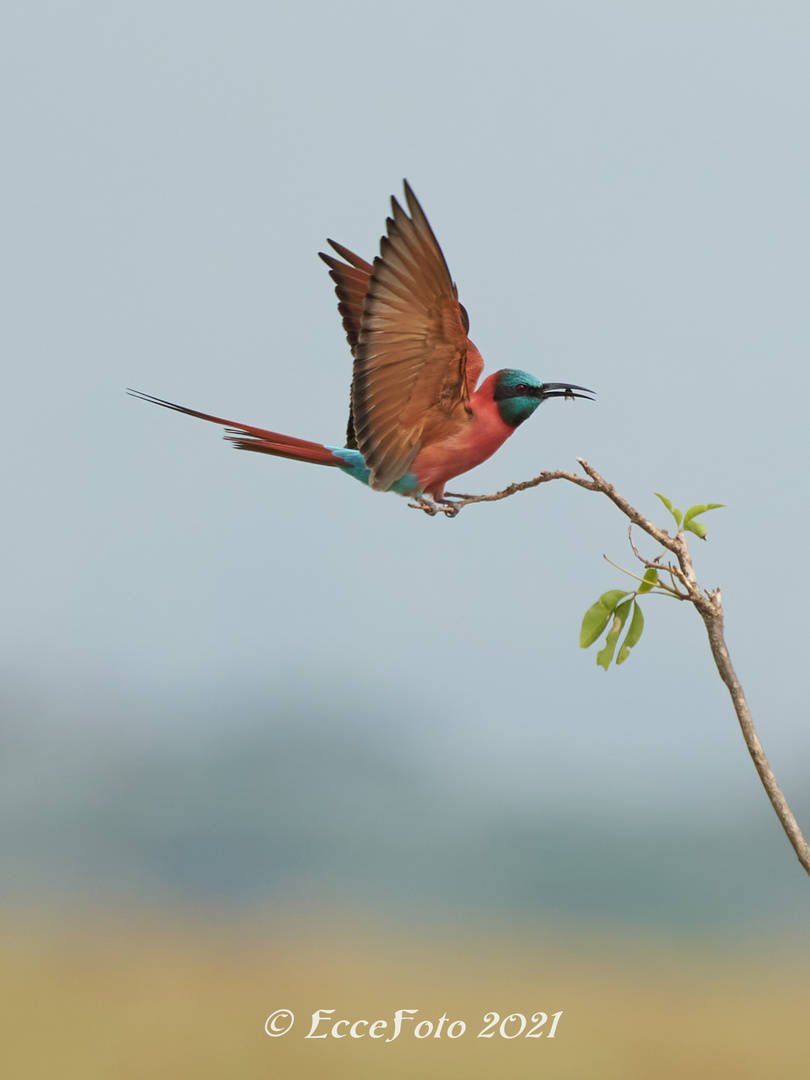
(712, 614)
(513, 489)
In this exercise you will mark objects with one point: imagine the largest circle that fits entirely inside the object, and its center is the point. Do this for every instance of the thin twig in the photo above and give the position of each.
(662, 589)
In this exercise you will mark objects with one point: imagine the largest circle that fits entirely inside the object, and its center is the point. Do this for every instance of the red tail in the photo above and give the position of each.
(245, 437)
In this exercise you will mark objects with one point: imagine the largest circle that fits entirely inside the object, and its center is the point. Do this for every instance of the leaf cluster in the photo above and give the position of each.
(616, 605)
(618, 608)
(686, 522)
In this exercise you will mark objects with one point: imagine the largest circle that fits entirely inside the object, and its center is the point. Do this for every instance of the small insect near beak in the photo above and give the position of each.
(565, 390)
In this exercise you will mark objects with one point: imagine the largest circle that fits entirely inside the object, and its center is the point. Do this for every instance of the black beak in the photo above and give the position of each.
(564, 390)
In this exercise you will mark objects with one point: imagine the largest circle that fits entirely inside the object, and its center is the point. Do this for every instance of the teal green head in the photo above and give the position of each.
(517, 394)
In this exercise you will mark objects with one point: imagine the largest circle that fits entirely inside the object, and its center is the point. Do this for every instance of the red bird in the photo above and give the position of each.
(416, 418)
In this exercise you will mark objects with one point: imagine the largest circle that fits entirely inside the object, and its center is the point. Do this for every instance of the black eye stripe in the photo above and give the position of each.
(506, 389)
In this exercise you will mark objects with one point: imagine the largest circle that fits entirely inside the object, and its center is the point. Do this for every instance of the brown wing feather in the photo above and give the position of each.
(415, 367)
(351, 286)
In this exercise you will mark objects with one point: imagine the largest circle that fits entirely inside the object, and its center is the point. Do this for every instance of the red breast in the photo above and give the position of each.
(466, 447)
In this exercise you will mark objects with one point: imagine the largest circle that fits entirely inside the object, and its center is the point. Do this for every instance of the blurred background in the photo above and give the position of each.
(271, 739)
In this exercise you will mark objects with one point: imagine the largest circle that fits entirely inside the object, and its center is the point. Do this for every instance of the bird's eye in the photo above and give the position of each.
(521, 388)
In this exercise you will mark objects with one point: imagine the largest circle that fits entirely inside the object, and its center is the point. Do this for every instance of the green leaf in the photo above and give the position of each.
(667, 502)
(605, 655)
(676, 513)
(696, 527)
(633, 634)
(650, 580)
(596, 617)
(701, 508)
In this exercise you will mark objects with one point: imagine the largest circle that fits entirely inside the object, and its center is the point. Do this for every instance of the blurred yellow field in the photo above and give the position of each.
(189, 997)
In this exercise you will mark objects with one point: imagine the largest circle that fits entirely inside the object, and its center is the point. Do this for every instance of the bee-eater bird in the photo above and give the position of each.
(416, 418)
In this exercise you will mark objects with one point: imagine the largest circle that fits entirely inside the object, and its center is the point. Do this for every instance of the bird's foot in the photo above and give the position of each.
(427, 505)
(432, 508)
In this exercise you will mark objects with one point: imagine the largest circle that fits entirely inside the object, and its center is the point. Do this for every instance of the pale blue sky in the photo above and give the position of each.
(621, 192)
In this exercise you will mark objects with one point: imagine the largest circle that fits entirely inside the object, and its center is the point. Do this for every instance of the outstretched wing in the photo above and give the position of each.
(414, 367)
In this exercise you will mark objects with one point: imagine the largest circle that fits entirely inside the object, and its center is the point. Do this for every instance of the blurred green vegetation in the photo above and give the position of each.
(311, 809)
(182, 995)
